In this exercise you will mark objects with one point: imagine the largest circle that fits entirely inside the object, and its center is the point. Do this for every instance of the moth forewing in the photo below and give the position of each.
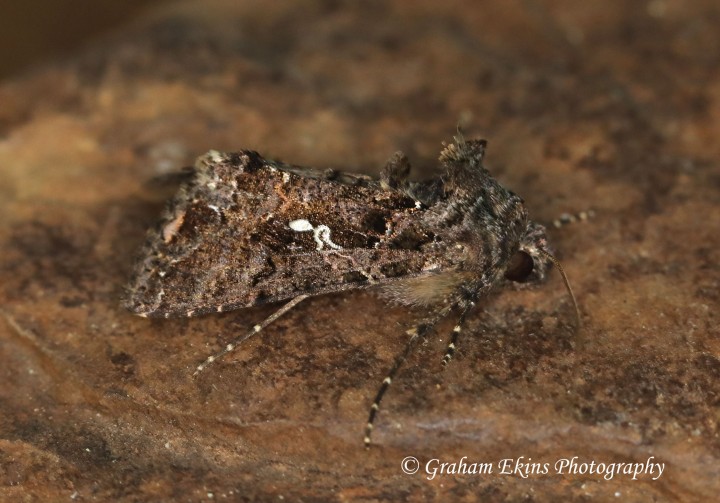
(246, 231)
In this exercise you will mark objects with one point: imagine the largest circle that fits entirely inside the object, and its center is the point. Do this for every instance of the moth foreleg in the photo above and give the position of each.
(570, 218)
(230, 346)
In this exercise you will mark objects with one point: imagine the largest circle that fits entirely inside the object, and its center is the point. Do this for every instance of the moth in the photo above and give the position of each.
(245, 231)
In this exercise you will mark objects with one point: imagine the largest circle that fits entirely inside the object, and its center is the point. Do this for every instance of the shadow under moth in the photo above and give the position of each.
(245, 231)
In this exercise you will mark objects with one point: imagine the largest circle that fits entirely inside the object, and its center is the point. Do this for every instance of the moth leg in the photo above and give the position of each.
(570, 218)
(450, 352)
(417, 334)
(256, 329)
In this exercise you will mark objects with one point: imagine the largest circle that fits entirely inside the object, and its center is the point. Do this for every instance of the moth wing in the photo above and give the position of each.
(246, 231)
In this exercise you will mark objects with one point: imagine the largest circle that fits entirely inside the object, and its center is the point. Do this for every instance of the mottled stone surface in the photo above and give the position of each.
(612, 106)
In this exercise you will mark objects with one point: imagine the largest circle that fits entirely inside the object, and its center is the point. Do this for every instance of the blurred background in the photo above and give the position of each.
(34, 31)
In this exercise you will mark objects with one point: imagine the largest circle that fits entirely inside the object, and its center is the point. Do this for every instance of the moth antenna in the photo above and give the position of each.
(418, 333)
(555, 261)
(450, 351)
(255, 330)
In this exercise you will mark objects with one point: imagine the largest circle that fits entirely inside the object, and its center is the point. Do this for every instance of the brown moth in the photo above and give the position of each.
(245, 231)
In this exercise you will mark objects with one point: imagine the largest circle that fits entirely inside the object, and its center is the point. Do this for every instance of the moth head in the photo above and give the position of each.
(531, 261)
(529, 265)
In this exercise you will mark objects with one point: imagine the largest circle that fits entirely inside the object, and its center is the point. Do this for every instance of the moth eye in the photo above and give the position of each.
(520, 267)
